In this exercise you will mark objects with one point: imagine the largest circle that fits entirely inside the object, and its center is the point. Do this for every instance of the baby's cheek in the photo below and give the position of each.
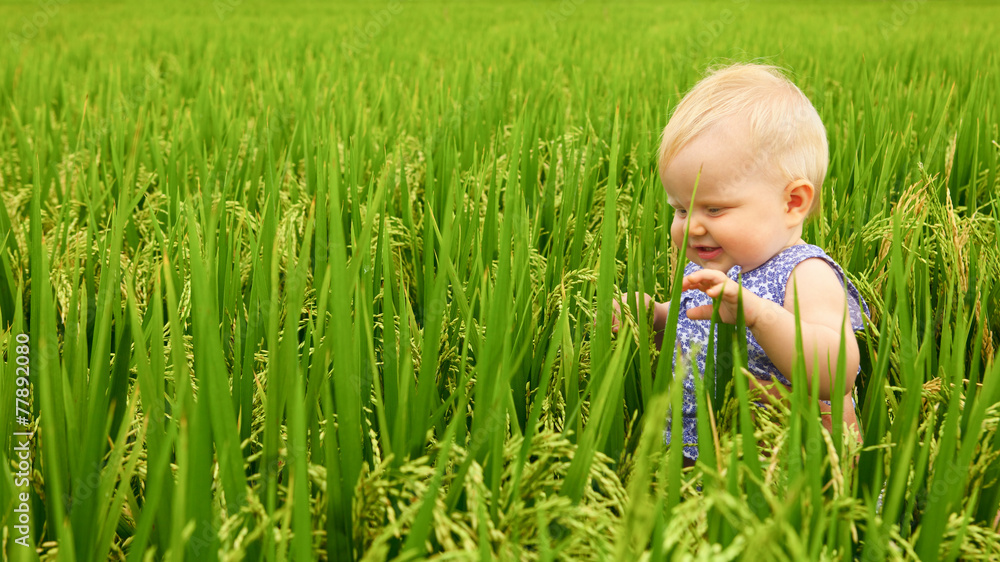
(677, 234)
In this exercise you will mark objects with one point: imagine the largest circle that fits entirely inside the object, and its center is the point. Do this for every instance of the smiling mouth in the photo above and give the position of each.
(707, 252)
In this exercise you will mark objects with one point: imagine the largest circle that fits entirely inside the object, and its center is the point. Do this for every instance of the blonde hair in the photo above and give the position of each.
(786, 133)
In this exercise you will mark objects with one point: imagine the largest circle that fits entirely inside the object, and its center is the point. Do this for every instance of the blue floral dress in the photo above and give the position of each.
(767, 281)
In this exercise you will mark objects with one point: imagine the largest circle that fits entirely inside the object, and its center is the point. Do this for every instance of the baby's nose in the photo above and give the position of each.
(696, 229)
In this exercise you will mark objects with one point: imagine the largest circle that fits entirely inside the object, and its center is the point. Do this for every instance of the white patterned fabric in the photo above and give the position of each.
(767, 281)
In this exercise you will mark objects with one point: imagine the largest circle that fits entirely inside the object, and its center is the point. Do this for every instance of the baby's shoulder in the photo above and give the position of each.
(815, 273)
(814, 281)
(822, 285)
(798, 264)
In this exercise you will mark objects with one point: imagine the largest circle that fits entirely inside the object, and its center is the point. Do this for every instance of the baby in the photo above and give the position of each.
(761, 151)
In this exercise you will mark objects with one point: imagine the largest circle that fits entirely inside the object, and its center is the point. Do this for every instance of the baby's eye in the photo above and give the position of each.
(680, 212)
(714, 210)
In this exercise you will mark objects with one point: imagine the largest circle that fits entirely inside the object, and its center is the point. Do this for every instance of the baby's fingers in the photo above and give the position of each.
(715, 286)
(725, 288)
(617, 311)
(700, 312)
(703, 280)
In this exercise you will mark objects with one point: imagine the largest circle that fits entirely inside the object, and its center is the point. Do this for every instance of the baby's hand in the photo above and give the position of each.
(714, 283)
(629, 299)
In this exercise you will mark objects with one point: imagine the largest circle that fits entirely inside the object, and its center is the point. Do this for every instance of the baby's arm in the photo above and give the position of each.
(821, 309)
(660, 312)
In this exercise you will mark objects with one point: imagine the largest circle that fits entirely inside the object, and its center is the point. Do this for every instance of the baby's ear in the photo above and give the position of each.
(799, 195)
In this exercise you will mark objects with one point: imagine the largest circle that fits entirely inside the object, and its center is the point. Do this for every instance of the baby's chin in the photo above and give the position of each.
(726, 266)
(722, 262)
(722, 265)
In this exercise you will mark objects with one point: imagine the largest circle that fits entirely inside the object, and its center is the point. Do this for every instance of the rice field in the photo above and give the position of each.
(304, 281)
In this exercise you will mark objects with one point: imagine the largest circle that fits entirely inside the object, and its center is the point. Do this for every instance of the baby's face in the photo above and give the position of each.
(740, 212)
